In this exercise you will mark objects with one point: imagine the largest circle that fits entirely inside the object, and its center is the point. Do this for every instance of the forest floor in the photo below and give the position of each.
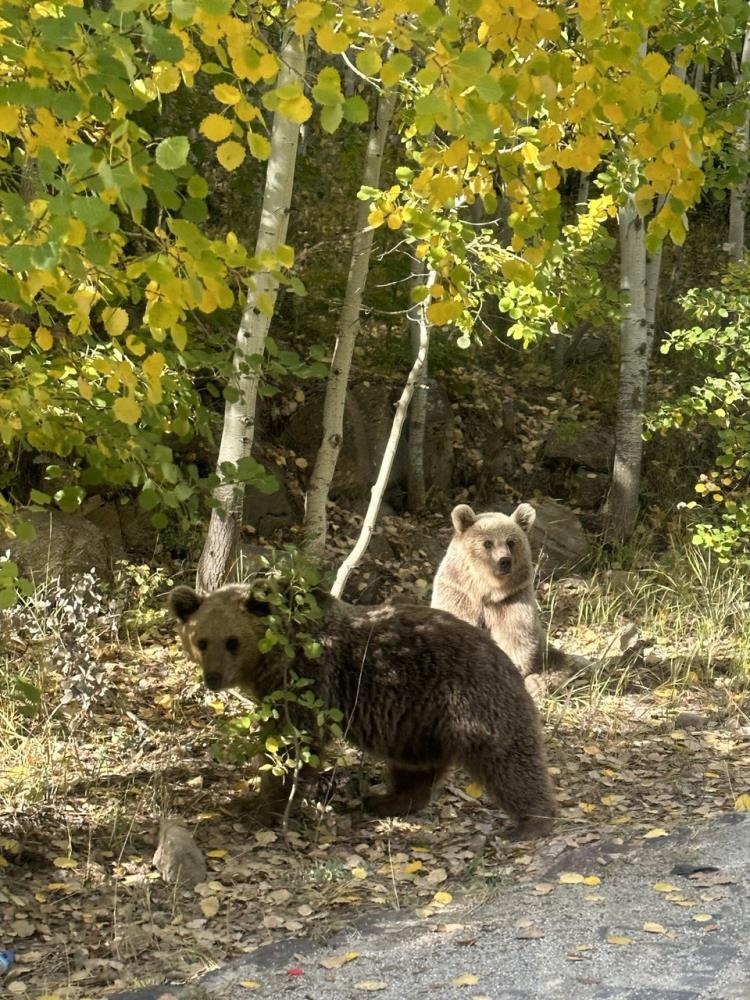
(81, 793)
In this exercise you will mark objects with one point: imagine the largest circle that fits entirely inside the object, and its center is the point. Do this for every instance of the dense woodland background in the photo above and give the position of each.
(532, 217)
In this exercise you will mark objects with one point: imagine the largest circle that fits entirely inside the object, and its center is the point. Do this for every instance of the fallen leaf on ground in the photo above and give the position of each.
(209, 906)
(371, 985)
(658, 831)
(336, 961)
(701, 918)
(468, 979)
(619, 939)
(654, 928)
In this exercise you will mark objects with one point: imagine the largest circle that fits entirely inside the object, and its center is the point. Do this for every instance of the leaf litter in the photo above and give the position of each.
(84, 908)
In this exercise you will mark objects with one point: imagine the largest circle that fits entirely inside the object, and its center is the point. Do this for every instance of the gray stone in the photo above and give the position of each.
(589, 488)
(370, 406)
(178, 859)
(690, 720)
(270, 512)
(581, 443)
(557, 538)
(65, 546)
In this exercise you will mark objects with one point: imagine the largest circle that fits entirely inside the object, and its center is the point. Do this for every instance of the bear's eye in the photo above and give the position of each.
(202, 645)
(233, 643)
(488, 543)
(511, 542)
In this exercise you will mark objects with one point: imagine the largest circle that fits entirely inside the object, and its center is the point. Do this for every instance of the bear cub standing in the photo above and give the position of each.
(418, 689)
(486, 578)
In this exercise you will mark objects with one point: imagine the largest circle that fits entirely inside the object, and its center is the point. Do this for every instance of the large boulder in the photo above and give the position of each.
(65, 546)
(581, 443)
(368, 417)
(269, 512)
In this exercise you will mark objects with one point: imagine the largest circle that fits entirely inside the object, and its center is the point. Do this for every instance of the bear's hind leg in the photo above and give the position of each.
(411, 790)
(522, 789)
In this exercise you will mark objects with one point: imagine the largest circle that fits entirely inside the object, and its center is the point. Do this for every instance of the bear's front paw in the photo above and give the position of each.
(529, 828)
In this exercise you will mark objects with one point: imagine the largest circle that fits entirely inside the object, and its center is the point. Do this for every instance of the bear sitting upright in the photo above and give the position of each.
(486, 578)
(417, 688)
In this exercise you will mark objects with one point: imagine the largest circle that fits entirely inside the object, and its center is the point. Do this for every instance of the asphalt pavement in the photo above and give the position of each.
(666, 918)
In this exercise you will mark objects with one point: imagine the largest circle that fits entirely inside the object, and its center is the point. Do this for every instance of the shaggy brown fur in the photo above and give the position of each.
(486, 578)
(418, 689)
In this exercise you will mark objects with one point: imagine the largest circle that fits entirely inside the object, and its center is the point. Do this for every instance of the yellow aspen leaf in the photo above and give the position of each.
(135, 345)
(249, 984)
(588, 9)
(742, 802)
(444, 312)
(179, 337)
(167, 78)
(375, 218)
(115, 321)
(268, 66)
(548, 23)
(394, 220)
(20, 335)
(245, 111)
(371, 985)
(359, 873)
(474, 790)
(611, 800)
(230, 154)
(225, 93)
(260, 147)
(218, 853)
(297, 109)
(701, 918)
(336, 961)
(653, 928)
(619, 939)
(665, 887)
(655, 65)
(468, 979)
(127, 409)
(216, 127)
(592, 880)
(587, 807)
(44, 338)
(442, 898)
(209, 906)
(571, 878)
(65, 862)
(85, 389)
(527, 10)
(9, 120)
(413, 866)
(656, 832)
(332, 41)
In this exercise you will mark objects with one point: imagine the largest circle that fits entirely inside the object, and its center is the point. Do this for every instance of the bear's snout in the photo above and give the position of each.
(504, 565)
(213, 681)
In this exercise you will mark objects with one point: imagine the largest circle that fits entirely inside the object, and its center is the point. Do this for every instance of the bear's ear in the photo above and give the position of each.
(256, 606)
(524, 515)
(184, 602)
(463, 517)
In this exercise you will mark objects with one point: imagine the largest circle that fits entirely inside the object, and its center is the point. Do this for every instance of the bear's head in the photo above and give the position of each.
(495, 548)
(220, 631)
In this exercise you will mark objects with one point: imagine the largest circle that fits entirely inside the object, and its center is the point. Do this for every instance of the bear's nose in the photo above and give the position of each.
(504, 564)
(213, 681)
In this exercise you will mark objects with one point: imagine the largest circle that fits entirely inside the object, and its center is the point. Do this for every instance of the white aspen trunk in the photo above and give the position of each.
(416, 492)
(738, 192)
(582, 199)
(222, 540)
(376, 496)
(653, 274)
(626, 476)
(321, 477)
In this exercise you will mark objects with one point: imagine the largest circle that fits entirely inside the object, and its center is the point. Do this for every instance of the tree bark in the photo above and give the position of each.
(738, 192)
(626, 476)
(582, 199)
(321, 477)
(376, 496)
(222, 540)
(416, 491)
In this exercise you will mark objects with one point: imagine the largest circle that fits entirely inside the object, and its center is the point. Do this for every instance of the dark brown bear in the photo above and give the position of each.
(418, 688)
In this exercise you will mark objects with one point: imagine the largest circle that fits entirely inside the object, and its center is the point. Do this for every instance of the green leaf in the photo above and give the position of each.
(330, 117)
(172, 153)
(356, 110)
(160, 42)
